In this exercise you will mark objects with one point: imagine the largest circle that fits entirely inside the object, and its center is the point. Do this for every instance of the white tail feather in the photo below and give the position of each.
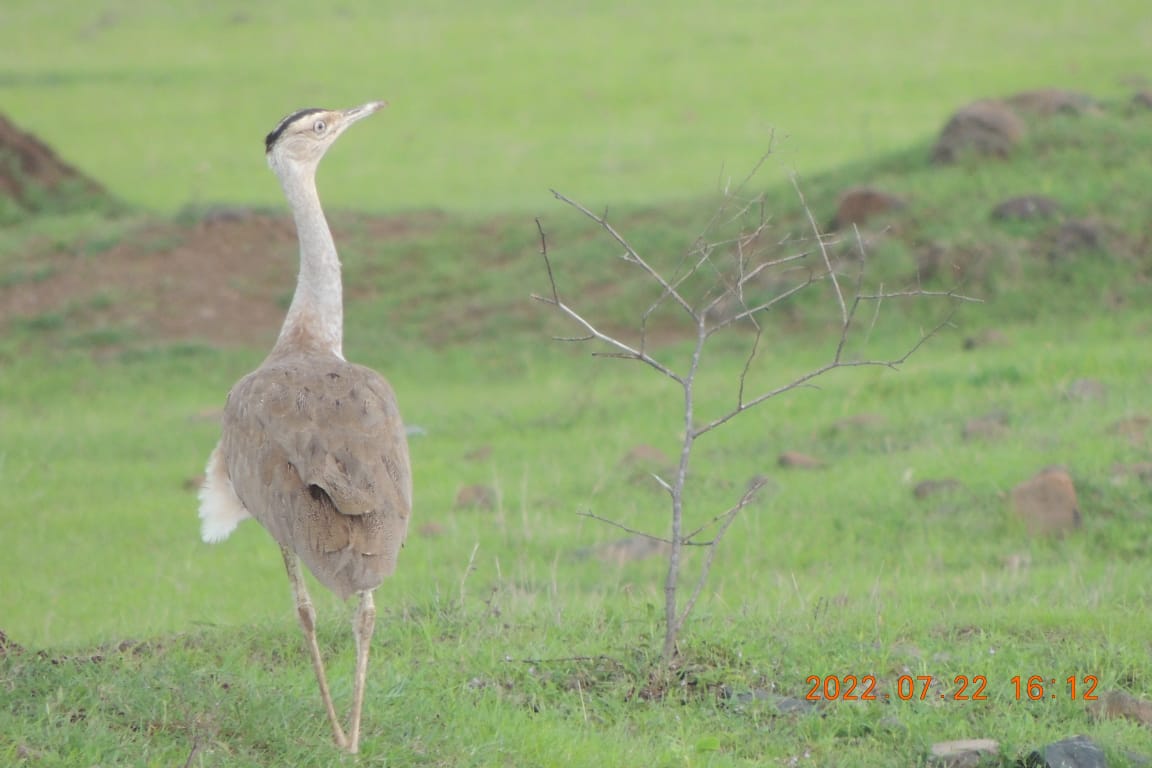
(220, 508)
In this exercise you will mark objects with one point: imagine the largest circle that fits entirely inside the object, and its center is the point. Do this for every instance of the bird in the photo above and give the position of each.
(312, 446)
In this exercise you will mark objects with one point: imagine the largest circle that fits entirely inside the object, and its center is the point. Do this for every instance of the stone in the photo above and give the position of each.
(1141, 470)
(1120, 705)
(1136, 760)
(968, 753)
(476, 497)
(1132, 427)
(859, 204)
(1026, 207)
(1076, 237)
(988, 128)
(1074, 752)
(1052, 101)
(797, 460)
(1047, 503)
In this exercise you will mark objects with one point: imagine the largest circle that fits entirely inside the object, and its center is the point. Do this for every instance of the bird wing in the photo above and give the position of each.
(316, 450)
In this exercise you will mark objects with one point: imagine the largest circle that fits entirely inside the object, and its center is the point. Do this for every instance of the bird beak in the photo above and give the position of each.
(356, 113)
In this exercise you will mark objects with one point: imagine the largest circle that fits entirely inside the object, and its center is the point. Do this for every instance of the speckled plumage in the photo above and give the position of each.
(315, 448)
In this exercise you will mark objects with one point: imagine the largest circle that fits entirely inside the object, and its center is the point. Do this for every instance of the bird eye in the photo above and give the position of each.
(320, 126)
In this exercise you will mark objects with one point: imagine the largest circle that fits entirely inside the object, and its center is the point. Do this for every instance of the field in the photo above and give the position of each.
(519, 630)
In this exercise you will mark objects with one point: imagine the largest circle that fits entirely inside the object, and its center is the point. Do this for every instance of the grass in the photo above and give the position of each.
(835, 572)
(492, 106)
(504, 639)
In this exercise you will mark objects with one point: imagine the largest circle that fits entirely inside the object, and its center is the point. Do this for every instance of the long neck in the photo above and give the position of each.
(315, 320)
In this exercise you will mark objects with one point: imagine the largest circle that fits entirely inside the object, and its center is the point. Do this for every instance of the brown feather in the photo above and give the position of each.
(316, 450)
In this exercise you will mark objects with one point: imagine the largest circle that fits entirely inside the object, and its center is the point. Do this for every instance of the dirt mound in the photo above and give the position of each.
(222, 280)
(34, 179)
(222, 276)
(986, 127)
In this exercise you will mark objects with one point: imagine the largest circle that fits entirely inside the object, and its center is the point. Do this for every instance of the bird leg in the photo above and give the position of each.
(363, 625)
(307, 616)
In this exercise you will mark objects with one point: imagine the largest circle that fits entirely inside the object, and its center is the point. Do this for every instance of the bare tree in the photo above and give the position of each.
(719, 285)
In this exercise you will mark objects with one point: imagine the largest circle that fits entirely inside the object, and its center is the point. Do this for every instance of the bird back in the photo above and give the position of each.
(316, 450)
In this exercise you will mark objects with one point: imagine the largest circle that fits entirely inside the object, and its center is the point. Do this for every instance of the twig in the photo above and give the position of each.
(753, 489)
(193, 752)
(706, 568)
(633, 256)
(621, 526)
(547, 261)
(823, 250)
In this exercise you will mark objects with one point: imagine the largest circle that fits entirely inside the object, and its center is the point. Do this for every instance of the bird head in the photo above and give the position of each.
(304, 136)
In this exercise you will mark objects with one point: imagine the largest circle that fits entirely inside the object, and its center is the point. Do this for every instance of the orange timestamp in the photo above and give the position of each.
(963, 688)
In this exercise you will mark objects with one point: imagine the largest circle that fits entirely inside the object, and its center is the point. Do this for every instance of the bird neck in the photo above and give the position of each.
(315, 320)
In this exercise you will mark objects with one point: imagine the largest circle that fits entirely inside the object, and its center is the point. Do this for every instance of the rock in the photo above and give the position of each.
(1075, 752)
(1076, 237)
(1135, 759)
(859, 204)
(1047, 503)
(790, 705)
(936, 486)
(988, 128)
(1052, 101)
(968, 753)
(797, 460)
(1141, 470)
(1133, 427)
(1120, 705)
(1085, 390)
(1025, 207)
(990, 427)
(785, 705)
(476, 497)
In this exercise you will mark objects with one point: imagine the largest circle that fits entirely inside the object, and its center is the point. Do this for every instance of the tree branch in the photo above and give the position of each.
(625, 528)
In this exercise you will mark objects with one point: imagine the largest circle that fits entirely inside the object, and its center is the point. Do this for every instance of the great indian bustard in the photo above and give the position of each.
(313, 446)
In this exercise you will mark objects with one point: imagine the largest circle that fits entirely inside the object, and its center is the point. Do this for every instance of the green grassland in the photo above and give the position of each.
(504, 639)
(618, 103)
